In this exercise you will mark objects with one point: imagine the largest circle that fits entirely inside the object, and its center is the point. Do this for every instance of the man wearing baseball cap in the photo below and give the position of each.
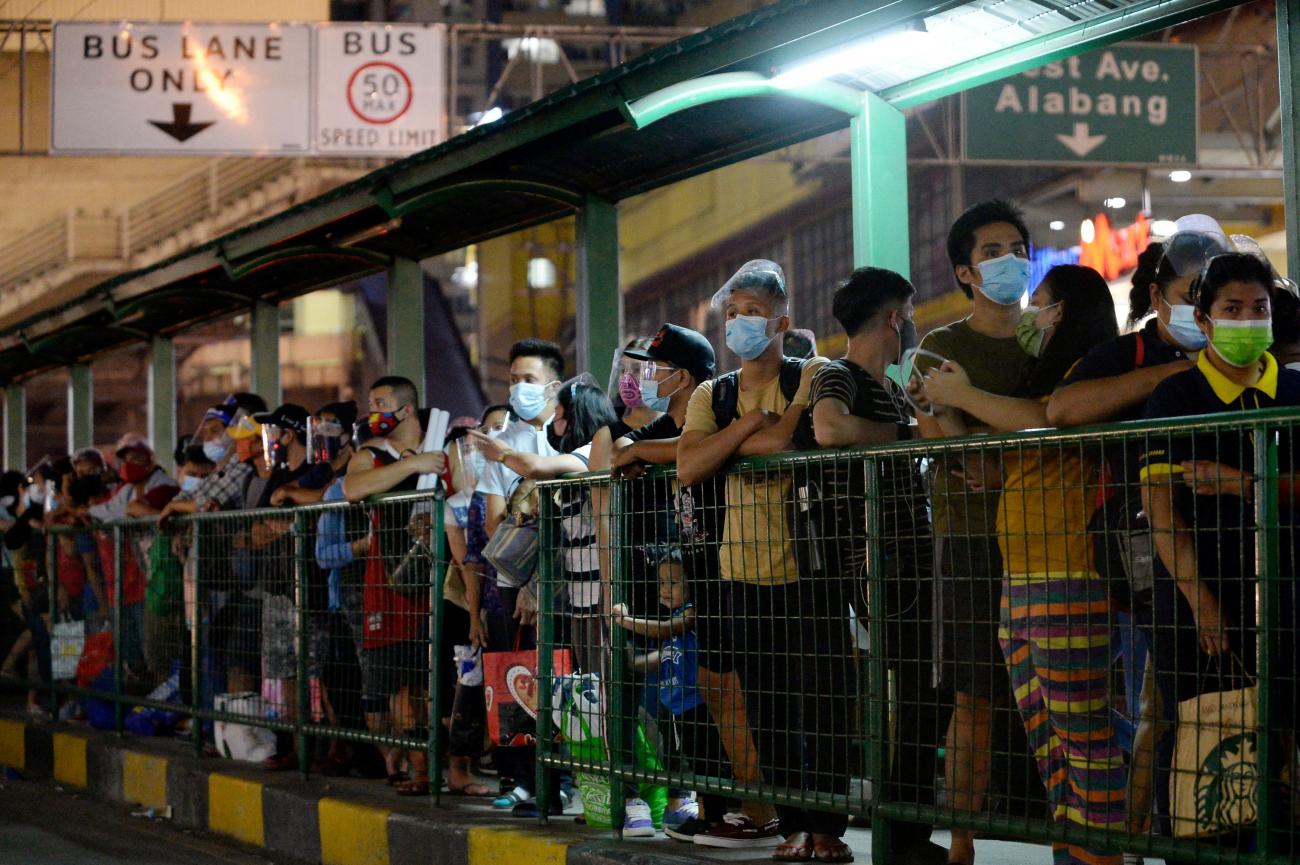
(145, 487)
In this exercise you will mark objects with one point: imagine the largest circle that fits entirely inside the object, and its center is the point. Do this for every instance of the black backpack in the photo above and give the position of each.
(726, 397)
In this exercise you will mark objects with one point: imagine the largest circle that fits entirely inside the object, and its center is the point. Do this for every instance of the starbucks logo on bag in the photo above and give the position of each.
(1227, 784)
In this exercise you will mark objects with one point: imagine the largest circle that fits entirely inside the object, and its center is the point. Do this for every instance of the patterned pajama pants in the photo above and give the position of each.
(1055, 636)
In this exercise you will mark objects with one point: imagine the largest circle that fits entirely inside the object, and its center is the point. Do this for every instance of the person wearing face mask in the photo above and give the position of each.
(988, 248)
(855, 404)
(625, 390)
(1055, 630)
(757, 410)
(1286, 330)
(394, 650)
(1199, 491)
(233, 429)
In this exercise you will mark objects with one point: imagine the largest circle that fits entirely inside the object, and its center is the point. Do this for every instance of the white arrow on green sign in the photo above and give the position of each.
(1133, 103)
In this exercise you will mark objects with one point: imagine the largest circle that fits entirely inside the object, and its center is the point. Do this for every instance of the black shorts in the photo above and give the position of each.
(389, 669)
(709, 595)
(970, 580)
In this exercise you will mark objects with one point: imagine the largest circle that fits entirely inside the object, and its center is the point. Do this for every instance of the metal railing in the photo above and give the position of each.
(791, 636)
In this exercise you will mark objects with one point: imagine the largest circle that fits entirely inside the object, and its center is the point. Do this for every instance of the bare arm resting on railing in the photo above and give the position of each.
(364, 479)
(1102, 399)
(527, 465)
(661, 629)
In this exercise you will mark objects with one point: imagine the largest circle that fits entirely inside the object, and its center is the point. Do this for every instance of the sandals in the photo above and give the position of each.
(472, 789)
(832, 851)
(417, 786)
(396, 779)
(797, 848)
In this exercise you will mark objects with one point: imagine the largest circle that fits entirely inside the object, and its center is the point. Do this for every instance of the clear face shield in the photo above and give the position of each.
(324, 440)
(622, 375)
(468, 463)
(273, 453)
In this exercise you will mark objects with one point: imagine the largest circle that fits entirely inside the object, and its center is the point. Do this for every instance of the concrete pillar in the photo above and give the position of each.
(162, 400)
(1288, 62)
(407, 351)
(16, 427)
(81, 408)
(264, 338)
(878, 157)
(600, 303)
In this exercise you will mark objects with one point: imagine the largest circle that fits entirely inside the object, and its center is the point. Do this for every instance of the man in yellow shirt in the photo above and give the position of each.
(757, 410)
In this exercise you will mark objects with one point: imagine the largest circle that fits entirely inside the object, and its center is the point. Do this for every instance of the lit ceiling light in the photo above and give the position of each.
(1180, 175)
(541, 273)
(1115, 203)
(883, 50)
(492, 115)
(1056, 225)
(1164, 228)
(1087, 231)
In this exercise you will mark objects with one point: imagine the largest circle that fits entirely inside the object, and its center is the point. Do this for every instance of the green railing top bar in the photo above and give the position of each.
(1085, 435)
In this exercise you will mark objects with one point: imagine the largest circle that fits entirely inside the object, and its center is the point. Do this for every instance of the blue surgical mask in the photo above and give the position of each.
(190, 483)
(1182, 326)
(747, 335)
(651, 398)
(1005, 279)
(528, 399)
(215, 450)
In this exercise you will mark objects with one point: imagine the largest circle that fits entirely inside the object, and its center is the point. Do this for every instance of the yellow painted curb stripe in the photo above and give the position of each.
(70, 760)
(352, 834)
(144, 779)
(235, 808)
(13, 744)
(491, 846)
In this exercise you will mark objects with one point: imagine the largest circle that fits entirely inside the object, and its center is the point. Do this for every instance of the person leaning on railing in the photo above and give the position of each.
(1055, 628)
(854, 405)
(1200, 488)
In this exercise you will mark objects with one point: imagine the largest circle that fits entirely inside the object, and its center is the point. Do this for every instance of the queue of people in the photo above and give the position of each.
(988, 578)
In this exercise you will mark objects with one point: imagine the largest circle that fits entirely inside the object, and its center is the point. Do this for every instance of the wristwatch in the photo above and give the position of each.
(505, 454)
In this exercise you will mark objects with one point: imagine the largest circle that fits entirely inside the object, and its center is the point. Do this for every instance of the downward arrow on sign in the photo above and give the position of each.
(1081, 143)
(180, 127)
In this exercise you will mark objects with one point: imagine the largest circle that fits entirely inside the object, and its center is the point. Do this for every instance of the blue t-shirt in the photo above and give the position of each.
(678, 667)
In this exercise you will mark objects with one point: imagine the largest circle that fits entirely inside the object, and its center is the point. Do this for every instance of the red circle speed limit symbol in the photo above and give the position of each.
(379, 92)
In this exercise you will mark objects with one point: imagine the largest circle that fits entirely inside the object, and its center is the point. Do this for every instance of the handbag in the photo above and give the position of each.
(510, 693)
(1214, 788)
(67, 639)
(453, 587)
(513, 550)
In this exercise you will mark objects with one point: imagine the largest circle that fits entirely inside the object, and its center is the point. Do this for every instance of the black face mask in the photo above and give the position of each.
(554, 439)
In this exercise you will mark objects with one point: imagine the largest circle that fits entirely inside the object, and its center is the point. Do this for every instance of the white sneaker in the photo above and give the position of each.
(1133, 859)
(637, 821)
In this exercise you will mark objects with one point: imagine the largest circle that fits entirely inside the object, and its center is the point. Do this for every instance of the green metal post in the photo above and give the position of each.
(548, 536)
(118, 642)
(81, 408)
(1288, 72)
(1269, 644)
(619, 728)
(197, 632)
(877, 708)
(302, 692)
(264, 339)
(437, 568)
(162, 399)
(600, 303)
(878, 157)
(16, 426)
(407, 352)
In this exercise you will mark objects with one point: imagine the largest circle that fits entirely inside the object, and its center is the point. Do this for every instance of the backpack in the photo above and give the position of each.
(726, 397)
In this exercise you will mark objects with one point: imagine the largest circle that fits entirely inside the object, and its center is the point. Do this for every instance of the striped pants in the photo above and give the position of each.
(1055, 636)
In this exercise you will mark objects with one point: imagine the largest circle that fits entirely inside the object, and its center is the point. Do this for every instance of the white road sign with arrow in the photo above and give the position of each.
(181, 87)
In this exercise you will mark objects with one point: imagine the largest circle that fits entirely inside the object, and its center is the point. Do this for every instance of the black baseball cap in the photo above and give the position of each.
(682, 347)
(346, 412)
(287, 416)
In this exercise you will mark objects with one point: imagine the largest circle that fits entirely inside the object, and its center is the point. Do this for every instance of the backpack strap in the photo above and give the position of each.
(1140, 352)
(726, 395)
(791, 376)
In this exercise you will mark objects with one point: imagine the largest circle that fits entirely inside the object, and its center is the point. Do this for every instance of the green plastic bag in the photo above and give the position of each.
(163, 591)
(595, 787)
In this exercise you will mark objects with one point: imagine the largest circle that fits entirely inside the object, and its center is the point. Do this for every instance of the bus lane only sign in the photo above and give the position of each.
(1134, 103)
(379, 88)
(146, 87)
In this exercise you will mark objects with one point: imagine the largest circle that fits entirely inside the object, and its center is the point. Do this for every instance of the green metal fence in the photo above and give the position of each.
(790, 638)
(858, 595)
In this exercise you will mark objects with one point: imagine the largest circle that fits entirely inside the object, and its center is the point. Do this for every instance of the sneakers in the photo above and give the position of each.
(637, 822)
(688, 810)
(738, 831)
(515, 797)
(685, 831)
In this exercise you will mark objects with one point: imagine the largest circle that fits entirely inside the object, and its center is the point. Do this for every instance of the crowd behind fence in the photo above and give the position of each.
(822, 688)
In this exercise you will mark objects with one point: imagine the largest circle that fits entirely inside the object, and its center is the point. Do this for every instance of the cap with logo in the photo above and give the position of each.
(288, 416)
(681, 347)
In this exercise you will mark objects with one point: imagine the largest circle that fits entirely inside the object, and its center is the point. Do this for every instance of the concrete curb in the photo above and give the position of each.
(317, 820)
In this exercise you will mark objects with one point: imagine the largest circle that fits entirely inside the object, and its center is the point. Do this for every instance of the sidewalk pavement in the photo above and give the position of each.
(347, 821)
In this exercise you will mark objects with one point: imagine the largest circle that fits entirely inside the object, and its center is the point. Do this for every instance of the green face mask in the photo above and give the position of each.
(1241, 343)
(1030, 337)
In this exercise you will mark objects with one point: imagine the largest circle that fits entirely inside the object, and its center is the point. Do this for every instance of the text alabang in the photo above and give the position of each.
(1046, 96)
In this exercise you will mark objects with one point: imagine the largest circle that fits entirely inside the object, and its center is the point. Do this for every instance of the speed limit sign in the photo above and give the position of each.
(379, 88)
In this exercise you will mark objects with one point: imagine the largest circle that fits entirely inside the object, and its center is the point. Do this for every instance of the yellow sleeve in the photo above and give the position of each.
(810, 368)
(699, 411)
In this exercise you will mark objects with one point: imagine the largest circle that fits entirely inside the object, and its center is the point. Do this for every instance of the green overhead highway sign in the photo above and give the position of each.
(1134, 103)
